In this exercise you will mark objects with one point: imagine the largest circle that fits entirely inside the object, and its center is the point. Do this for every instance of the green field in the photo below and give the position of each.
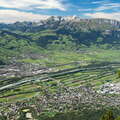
(70, 69)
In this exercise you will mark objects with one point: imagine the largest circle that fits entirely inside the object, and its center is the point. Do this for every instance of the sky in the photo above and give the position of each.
(35, 10)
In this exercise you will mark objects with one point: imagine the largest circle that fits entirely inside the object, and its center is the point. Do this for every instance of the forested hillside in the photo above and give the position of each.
(57, 33)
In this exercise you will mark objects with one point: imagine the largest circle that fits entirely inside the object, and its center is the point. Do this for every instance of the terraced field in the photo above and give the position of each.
(65, 75)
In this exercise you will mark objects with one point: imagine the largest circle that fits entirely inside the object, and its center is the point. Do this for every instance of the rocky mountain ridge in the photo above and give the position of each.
(70, 19)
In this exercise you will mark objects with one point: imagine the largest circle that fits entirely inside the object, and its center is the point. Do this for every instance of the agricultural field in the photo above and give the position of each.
(69, 69)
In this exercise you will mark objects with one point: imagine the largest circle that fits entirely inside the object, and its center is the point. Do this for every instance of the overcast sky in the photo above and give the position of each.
(34, 10)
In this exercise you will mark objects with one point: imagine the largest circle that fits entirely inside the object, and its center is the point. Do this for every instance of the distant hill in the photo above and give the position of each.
(68, 33)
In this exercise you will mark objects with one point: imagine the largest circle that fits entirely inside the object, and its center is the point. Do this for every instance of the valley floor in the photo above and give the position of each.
(61, 82)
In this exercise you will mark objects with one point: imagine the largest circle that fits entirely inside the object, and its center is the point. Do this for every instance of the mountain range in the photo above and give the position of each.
(57, 33)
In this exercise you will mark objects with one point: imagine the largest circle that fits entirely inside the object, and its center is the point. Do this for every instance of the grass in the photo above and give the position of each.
(63, 57)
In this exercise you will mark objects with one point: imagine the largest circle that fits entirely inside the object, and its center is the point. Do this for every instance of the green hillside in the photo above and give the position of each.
(29, 38)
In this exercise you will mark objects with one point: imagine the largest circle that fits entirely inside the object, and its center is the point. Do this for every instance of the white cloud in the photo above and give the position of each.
(11, 16)
(103, 6)
(28, 4)
(99, 2)
(85, 10)
(114, 15)
(108, 6)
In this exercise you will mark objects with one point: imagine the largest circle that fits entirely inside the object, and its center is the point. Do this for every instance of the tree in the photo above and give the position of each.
(118, 72)
(108, 116)
(99, 39)
(3, 117)
(118, 118)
